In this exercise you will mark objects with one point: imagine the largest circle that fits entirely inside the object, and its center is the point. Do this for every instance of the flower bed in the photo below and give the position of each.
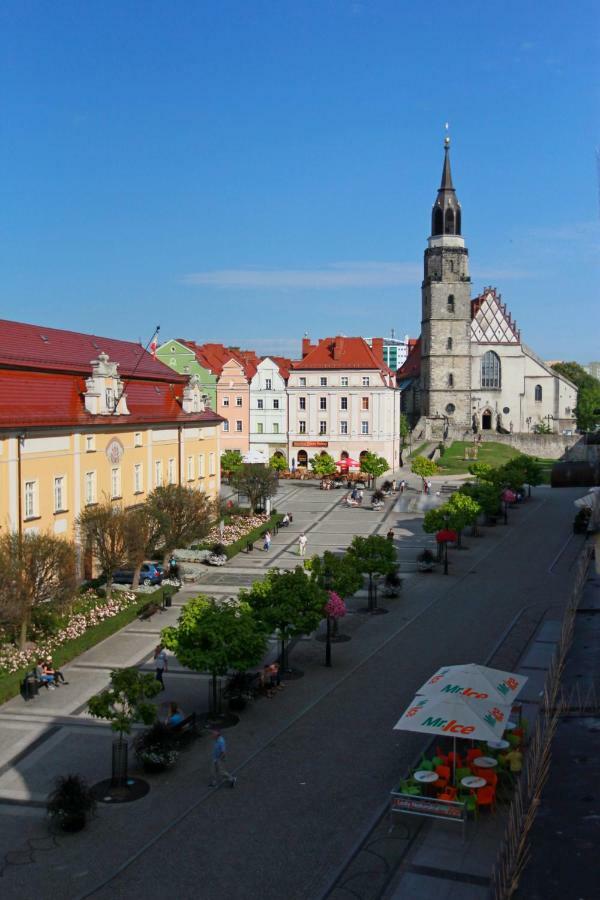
(252, 530)
(12, 659)
(236, 529)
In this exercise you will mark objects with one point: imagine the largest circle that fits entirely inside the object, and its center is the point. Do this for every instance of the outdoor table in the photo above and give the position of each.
(498, 745)
(471, 781)
(485, 762)
(425, 777)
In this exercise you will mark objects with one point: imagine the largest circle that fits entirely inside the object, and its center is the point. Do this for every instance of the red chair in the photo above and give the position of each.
(443, 756)
(472, 754)
(443, 776)
(486, 796)
(449, 793)
(490, 777)
(455, 759)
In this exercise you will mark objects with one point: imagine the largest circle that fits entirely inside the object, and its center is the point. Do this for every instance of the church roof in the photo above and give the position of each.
(491, 322)
(411, 366)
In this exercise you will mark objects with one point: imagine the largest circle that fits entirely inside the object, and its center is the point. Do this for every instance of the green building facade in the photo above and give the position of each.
(183, 360)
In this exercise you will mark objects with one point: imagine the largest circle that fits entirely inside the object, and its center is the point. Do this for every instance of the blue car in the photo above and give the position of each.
(149, 574)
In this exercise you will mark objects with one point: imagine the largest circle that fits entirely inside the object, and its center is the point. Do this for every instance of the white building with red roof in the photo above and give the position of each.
(343, 400)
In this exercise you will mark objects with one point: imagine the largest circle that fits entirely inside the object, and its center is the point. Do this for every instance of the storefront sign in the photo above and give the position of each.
(408, 804)
(310, 443)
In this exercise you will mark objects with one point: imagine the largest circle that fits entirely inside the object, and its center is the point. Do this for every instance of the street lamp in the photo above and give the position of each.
(548, 418)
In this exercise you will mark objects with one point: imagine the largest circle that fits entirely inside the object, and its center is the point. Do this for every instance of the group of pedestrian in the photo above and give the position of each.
(427, 485)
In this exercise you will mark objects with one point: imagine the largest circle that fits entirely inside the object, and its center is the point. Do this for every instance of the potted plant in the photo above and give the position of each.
(218, 555)
(70, 802)
(425, 561)
(393, 584)
(155, 748)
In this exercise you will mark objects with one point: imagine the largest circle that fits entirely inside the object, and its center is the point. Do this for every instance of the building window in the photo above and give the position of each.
(225, 401)
(59, 494)
(322, 427)
(343, 427)
(239, 425)
(567, 410)
(225, 425)
(158, 472)
(490, 370)
(450, 408)
(30, 499)
(201, 465)
(260, 404)
(343, 403)
(137, 439)
(538, 393)
(302, 402)
(450, 379)
(449, 344)
(115, 483)
(364, 403)
(110, 399)
(90, 443)
(211, 464)
(137, 478)
(302, 382)
(323, 381)
(268, 384)
(365, 381)
(364, 427)
(322, 402)
(275, 428)
(275, 404)
(190, 468)
(344, 381)
(171, 470)
(90, 488)
(450, 303)
(238, 401)
(302, 426)
(259, 427)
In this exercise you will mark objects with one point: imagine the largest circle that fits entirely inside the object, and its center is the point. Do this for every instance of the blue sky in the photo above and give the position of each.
(247, 171)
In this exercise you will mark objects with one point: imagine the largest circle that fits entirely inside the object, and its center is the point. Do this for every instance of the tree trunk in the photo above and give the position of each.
(459, 540)
(136, 577)
(166, 558)
(214, 709)
(370, 604)
(109, 586)
(23, 631)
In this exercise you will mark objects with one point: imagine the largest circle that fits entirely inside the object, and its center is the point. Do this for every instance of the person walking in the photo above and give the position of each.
(390, 535)
(302, 541)
(267, 543)
(160, 664)
(217, 770)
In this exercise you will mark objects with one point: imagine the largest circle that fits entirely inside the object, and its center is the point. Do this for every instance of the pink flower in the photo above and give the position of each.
(335, 607)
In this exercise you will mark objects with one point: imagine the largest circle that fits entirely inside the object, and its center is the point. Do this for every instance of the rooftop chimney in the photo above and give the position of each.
(377, 346)
(338, 347)
(306, 346)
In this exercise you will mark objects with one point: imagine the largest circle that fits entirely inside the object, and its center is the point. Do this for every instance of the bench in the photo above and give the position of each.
(448, 489)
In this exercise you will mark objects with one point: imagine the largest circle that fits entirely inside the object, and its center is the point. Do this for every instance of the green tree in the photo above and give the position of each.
(182, 515)
(231, 462)
(436, 519)
(141, 534)
(423, 467)
(482, 471)
(102, 530)
(337, 573)
(587, 411)
(125, 702)
(533, 472)
(373, 466)
(512, 474)
(257, 482)
(374, 556)
(216, 636)
(323, 465)
(485, 493)
(289, 603)
(404, 429)
(463, 511)
(36, 569)
(278, 462)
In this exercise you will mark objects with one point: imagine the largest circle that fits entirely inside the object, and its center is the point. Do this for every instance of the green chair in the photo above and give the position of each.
(426, 765)
(406, 788)
(462, 773)
(435, 762)
(470, 802)
(513, 740)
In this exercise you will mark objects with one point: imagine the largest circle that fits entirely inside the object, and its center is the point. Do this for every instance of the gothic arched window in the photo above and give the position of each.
(538, 393)
(490, 370)
(450, 379)
(438, 221)
(449, 344)
(449, 227)
(458, 217)
(451, 303)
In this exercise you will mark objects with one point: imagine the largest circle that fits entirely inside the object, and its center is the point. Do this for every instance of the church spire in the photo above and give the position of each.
(446, 212)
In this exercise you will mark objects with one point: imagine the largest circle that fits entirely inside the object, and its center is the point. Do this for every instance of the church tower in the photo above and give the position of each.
(446, 311)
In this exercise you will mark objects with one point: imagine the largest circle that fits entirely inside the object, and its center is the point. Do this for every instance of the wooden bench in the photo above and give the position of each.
(448, 489)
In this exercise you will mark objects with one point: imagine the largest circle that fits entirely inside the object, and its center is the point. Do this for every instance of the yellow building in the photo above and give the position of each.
(85, 418)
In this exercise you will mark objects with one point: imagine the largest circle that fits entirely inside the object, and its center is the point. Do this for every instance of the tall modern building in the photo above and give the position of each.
(395, 351)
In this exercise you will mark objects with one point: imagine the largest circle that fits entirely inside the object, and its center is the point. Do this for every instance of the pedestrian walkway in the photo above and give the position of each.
(315, 763)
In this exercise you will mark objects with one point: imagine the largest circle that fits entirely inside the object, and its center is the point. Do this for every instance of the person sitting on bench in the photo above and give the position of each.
(175, 715)
(285, 521)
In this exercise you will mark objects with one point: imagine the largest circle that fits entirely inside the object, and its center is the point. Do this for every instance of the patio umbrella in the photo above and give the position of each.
(347, 463)
(255, 456)
(454, 716)
(476, 683)
(445, 535)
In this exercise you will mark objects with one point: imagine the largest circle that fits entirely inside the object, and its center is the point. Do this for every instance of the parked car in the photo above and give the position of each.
(148, 575)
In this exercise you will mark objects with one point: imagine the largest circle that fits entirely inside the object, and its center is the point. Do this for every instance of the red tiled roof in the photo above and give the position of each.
(35, 346)
(412, 364)
(34, 398)
(284, 364)
(340, 353)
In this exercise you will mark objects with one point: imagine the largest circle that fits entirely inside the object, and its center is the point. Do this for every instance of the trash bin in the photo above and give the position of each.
(249, 547)
(168, 601)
